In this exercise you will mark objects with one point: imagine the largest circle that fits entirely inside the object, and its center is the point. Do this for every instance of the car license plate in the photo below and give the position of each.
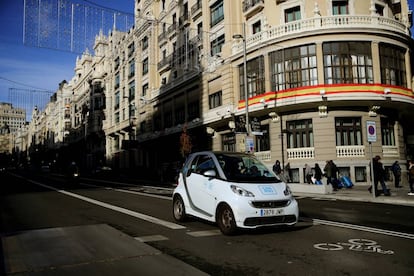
(271, 212)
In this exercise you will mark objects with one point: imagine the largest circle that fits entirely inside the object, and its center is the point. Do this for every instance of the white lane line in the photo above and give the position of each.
(115, 208)
(323, 199)
(151, 238)
(128, 191)
(364, 228)
(205, 233)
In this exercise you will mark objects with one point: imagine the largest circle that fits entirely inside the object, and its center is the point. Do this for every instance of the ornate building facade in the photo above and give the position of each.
(290, 80)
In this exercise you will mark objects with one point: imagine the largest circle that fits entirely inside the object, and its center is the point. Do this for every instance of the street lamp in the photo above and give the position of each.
(246, 92)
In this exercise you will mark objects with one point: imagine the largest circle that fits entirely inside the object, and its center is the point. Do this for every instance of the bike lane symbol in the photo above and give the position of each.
(361, 245)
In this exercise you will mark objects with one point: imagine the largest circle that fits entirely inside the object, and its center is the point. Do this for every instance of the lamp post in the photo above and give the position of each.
(246, 92)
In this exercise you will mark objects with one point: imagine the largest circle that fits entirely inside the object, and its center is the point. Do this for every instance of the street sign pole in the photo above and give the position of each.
(372, 137)
(372, 171)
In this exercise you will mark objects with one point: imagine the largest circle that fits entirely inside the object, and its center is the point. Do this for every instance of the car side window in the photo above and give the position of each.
(204, 163)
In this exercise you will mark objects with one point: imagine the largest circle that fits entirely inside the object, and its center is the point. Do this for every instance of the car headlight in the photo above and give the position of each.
(287, 191)
(240, 191)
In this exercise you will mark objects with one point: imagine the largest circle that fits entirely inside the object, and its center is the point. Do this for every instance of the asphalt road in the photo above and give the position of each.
(332, 237)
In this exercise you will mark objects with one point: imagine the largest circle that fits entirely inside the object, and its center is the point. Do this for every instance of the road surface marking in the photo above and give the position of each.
(151, 238)
(206, 233)
(364, 228)
(114, 208)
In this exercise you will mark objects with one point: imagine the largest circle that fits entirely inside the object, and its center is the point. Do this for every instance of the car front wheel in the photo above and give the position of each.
(178, 209)
(226, 220)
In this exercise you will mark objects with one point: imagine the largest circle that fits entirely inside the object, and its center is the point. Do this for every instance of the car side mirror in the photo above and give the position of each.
(210, 173)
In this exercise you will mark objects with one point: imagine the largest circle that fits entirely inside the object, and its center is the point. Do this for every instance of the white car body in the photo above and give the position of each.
(207, 189)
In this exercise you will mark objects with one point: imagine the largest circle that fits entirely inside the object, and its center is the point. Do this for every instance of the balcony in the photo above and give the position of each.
(323, 24)
(184, 20)
(263, 155)
(390, 151)
(165, 63)
(162, 38)
(350, 151)
(171, 31)
(251, 7)
(196, 10)
(301, 153)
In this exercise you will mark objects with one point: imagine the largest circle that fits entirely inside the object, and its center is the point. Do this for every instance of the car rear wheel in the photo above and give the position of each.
(226, 220)
(178, 209)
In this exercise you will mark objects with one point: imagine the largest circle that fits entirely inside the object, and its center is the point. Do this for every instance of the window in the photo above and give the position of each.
(348, 62)
(214, 100)
(131, 110)
(292, 14)
(387, 132)
(257, 27)
(255, 78)
(144, 90)
(179, 115)
(116, 117)
(299, 133)
(263, 141)
(145, 66)
(348, 131)
(131, 69)
(131, 49)
(193, 110)
(392, 61)
(168, 119)
(202, 164)
(117, 100)
(229, 142)
(294, 67)
(379, 9)
(145, 43)
(117, 80)
(216, 13)
(340, 7)
(131, 91)
(360, 174)
(216, 45)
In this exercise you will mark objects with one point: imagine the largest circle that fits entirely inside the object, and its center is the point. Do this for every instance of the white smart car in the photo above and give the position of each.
(233, 189)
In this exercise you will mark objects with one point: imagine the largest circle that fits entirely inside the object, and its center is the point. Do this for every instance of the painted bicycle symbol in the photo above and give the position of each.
(360, 245)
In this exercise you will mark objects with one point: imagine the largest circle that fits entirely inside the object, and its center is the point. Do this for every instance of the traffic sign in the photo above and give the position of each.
(371, 131)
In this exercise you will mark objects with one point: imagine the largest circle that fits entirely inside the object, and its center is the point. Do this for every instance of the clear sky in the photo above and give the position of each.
(33, 68)
(25, 67)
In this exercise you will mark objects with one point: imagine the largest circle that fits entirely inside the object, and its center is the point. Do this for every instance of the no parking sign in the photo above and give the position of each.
(371, 131)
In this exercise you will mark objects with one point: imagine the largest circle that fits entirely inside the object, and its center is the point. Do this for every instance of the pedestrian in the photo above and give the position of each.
(286, 172)
(396, 171)
(308, 174)
(318, 174)
(330, 170)
(277, 169)
(379, 176)
(411, 177)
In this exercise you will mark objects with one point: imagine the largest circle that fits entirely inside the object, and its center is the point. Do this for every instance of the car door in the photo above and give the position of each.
(201, 187)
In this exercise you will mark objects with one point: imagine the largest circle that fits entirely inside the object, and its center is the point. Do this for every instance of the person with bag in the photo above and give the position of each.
(379, 176)
(330, 170)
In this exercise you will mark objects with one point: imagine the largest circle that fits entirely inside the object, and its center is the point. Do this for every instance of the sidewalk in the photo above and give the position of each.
(399, 196)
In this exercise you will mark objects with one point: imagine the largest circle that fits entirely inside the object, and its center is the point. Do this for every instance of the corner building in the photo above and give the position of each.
(316, 75)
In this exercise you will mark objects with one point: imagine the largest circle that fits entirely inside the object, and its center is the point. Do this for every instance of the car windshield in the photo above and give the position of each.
(244, 168)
